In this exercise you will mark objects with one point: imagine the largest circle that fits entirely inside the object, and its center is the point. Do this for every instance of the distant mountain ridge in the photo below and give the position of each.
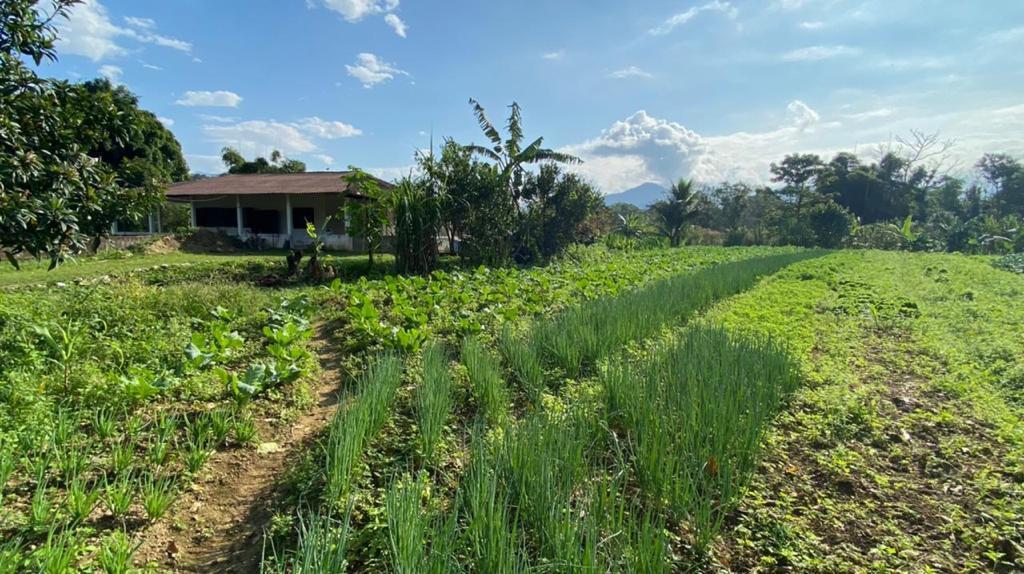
(641, 196)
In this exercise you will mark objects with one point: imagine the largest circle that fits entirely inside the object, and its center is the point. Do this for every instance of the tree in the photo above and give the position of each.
(558, 205)
(143, 154)
(236, 163)
(49, 186)
(798, 172)
(672, 214)
(508, 154)
(367, 209)
(830, 223)
(1005, 176)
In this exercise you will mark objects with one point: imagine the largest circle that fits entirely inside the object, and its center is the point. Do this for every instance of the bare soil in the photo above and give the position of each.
(218, 524)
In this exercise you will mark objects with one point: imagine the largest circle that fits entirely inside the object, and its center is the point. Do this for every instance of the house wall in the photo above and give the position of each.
(323, 205)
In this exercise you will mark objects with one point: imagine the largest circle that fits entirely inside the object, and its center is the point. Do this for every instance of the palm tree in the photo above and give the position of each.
(673, 213)
(509, 154)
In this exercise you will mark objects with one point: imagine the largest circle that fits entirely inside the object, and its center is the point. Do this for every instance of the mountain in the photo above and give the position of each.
(640, 196)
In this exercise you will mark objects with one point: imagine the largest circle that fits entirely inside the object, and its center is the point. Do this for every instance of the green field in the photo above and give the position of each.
(692, 409)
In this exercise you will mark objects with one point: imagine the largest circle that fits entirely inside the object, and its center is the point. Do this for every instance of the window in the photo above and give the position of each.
(300, 215)
(216, 217)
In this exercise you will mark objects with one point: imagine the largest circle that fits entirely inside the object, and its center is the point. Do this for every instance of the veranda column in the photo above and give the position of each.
(288, 223)
(238, 214)
(192, 214)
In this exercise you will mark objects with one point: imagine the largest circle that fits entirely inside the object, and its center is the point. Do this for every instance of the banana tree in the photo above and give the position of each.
(509, 154)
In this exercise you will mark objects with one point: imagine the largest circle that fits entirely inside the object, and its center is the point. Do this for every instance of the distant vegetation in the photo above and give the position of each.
(910, 198)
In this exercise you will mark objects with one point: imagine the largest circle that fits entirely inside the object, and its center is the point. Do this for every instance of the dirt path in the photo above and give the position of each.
(217, 525)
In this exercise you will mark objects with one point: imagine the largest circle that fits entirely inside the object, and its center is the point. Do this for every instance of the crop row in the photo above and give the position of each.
(551, 487)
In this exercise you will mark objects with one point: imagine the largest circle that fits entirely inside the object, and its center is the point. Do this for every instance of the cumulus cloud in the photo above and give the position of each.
(630, 72)
(396, 24)
(682, 18)
(208, 164)
(355, 10)
(325, 159)
(556, 55)
(326, 129)
(645, 148)
(167, 122)
(216, 99)
(88, 31)
(371, 70)
(817, 53)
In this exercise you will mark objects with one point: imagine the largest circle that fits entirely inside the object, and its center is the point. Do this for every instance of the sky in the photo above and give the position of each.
(640, 90)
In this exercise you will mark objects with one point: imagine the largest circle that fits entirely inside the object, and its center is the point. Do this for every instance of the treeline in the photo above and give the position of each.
(907, 199)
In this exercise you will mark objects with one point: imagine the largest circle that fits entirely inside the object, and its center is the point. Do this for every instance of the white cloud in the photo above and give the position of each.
(556, 55)
(167, 122)
(216, 99)
(325, 159)
(112, 73)
(146, 23)
(812, 25)
(630, 72)
(356, 10)
(370, 70)
(871, 114)
(396, 24)
(149, 66)
(816, 53)
(1007, 36)
(644, 148)
(88, 31)
(326, 129)
(682, 18)
(259, 135)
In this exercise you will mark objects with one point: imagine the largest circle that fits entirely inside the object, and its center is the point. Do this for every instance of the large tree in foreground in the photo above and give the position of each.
(672, 214)
(50, 188)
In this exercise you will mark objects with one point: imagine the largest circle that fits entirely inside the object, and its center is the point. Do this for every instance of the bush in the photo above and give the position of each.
(831, 224)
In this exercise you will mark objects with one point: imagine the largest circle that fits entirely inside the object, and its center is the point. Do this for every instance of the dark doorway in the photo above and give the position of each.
(300, 215)
(262, 221)
(216, 217)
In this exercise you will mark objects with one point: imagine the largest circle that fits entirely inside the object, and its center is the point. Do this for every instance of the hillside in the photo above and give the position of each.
(640, 196)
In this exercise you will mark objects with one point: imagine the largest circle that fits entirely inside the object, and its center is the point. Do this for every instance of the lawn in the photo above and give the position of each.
(702, 408)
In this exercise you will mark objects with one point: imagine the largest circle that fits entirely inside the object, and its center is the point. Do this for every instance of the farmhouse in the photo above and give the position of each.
(272, 209)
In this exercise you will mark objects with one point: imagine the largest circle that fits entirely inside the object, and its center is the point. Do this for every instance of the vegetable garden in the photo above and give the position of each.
(648, 411)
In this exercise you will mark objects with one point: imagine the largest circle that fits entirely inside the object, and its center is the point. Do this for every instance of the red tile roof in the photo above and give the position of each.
(264, 183)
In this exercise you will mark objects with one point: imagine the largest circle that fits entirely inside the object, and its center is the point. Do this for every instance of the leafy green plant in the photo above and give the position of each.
(524, 359)
(81, 499)
(116, 553)
(322, 546)
(244, 429)
(41, 509)
(103, 423)
(58, 554)
(64, 343)
(157, 495)
(118, 495)
(122, 455)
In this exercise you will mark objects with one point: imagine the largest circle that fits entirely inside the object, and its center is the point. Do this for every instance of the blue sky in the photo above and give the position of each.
(643, 91)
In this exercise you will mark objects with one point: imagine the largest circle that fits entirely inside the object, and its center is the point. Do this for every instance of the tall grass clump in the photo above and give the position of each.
(490, 524)
(693, 418)
(523, 357)
(580, 335)
(418, 544)
(354, 426)
(434, 400)
(486, 380)
(322, 547)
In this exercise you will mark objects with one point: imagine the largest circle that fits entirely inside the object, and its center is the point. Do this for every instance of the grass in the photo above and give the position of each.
(575, 339)
(354, 426)
(487, 381)
(434, 400)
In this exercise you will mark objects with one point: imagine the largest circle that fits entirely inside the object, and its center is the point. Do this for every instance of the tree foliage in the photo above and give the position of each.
(672, 214)
(236, 163)
(73, 157)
